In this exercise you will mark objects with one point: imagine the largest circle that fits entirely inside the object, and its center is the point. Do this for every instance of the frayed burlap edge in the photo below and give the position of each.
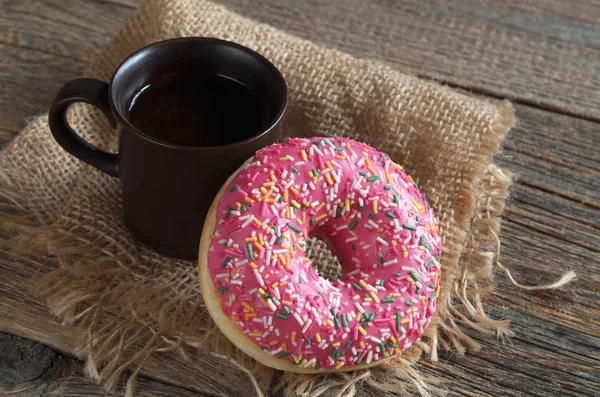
(468, 272)
(114, 339)
(126, 341)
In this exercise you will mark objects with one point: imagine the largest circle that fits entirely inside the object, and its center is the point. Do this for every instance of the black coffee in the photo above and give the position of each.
(198, 111)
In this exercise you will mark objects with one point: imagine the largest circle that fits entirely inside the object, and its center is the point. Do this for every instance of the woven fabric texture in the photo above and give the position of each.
(129, 308)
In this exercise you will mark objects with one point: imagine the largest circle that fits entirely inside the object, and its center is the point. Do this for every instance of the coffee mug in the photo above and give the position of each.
(175, 152)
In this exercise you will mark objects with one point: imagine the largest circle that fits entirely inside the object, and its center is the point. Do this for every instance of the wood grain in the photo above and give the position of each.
(34, 370)
(542, 54)
(43, 44)
(555, 348)
(24, 315)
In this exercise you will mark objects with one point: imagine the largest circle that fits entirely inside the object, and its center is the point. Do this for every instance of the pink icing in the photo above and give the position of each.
(373, 218)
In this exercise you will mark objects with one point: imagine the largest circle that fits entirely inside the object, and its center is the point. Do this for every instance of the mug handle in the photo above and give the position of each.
(94, 92)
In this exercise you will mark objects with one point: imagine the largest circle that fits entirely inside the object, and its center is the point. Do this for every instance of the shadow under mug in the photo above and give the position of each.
(167, 188)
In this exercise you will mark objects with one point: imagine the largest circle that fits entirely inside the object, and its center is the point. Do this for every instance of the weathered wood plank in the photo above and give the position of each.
(526, 51)
(88, 16)
(556, 330)
(30, 369)
(543, 53)
(24, 315)
(35, 62)
(563, 151)
(547, 230)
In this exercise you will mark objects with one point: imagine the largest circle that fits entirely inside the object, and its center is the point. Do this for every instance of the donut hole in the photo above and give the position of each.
(323, 259)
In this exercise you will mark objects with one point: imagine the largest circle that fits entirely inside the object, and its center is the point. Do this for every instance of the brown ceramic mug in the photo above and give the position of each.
(168, 187)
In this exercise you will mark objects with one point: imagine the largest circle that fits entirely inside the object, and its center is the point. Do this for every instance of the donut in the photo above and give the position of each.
(261, 289)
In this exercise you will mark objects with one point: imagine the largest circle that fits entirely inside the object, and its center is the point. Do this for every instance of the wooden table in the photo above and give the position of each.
(543, 55)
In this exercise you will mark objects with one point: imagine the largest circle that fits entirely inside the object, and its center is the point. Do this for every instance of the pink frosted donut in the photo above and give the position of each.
(261, 289)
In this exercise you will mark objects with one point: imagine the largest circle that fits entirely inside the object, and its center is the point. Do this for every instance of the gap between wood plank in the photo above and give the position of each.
(520, 101)
(573, 197)
(131, 5)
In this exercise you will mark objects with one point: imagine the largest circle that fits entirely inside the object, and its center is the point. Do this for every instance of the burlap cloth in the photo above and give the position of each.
(125, 303)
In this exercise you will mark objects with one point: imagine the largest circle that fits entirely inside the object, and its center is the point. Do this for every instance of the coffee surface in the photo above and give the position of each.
(198, 111)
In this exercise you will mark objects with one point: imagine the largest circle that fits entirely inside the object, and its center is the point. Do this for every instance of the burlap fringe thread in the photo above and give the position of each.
(106, 360)
(116, 341)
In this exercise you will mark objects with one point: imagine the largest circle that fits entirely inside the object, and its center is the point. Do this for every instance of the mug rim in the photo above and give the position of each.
(201, 40)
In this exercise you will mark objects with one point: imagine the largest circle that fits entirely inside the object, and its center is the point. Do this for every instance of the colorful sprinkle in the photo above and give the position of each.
(361, 203)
